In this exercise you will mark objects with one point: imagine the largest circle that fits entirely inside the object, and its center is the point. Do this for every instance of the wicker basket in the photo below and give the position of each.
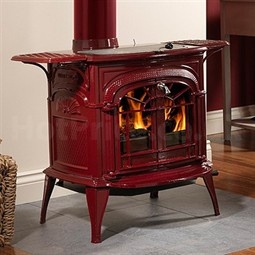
(8, 176)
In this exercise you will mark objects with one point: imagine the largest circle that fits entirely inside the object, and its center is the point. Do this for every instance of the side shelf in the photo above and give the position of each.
(247, 122)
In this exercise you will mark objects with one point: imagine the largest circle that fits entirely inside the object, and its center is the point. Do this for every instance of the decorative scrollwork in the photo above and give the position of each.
(68, 106)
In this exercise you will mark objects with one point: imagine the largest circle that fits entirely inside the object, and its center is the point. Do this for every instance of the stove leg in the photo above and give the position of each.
(154, 194)
(96, 200)
(49, 183)
(208, 179)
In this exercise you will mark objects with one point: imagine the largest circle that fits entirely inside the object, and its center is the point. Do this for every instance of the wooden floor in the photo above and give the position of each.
(235, 164)
(8, 250)
(250, 251)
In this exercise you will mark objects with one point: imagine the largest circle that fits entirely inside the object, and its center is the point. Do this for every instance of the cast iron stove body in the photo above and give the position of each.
(125, 118)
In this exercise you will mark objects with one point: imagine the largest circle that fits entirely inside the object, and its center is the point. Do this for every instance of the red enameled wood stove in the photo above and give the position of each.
(123, 117)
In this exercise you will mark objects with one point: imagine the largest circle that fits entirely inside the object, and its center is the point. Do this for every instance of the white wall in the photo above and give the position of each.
(153, 21)
(29, 26)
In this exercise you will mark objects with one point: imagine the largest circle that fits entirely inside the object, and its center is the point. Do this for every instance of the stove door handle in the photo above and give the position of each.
(162, 86)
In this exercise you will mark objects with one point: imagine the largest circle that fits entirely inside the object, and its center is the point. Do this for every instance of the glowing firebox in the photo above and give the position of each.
(143, 110)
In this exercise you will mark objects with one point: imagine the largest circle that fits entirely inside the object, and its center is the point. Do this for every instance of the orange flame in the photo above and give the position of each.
(137, 115)
(180, 120)
(135, 107)
(138, 121)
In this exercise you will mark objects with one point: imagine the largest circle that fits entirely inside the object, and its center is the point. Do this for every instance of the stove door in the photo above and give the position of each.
(156, 122)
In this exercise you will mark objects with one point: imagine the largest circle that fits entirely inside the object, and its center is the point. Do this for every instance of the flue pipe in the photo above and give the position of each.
(94, 24)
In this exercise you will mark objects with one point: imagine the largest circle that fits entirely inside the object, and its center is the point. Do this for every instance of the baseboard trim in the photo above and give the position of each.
(215, 118)
(30, 185)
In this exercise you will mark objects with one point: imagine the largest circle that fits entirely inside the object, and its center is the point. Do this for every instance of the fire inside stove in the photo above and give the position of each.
(150, 111)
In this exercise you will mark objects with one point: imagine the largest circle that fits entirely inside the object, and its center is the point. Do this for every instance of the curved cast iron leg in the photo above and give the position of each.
(49, 183)
(96, 200)
(208, 179)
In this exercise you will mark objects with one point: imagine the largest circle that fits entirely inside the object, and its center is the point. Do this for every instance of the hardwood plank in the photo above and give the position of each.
(235, 162)
(250, 251)
(9, 250)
